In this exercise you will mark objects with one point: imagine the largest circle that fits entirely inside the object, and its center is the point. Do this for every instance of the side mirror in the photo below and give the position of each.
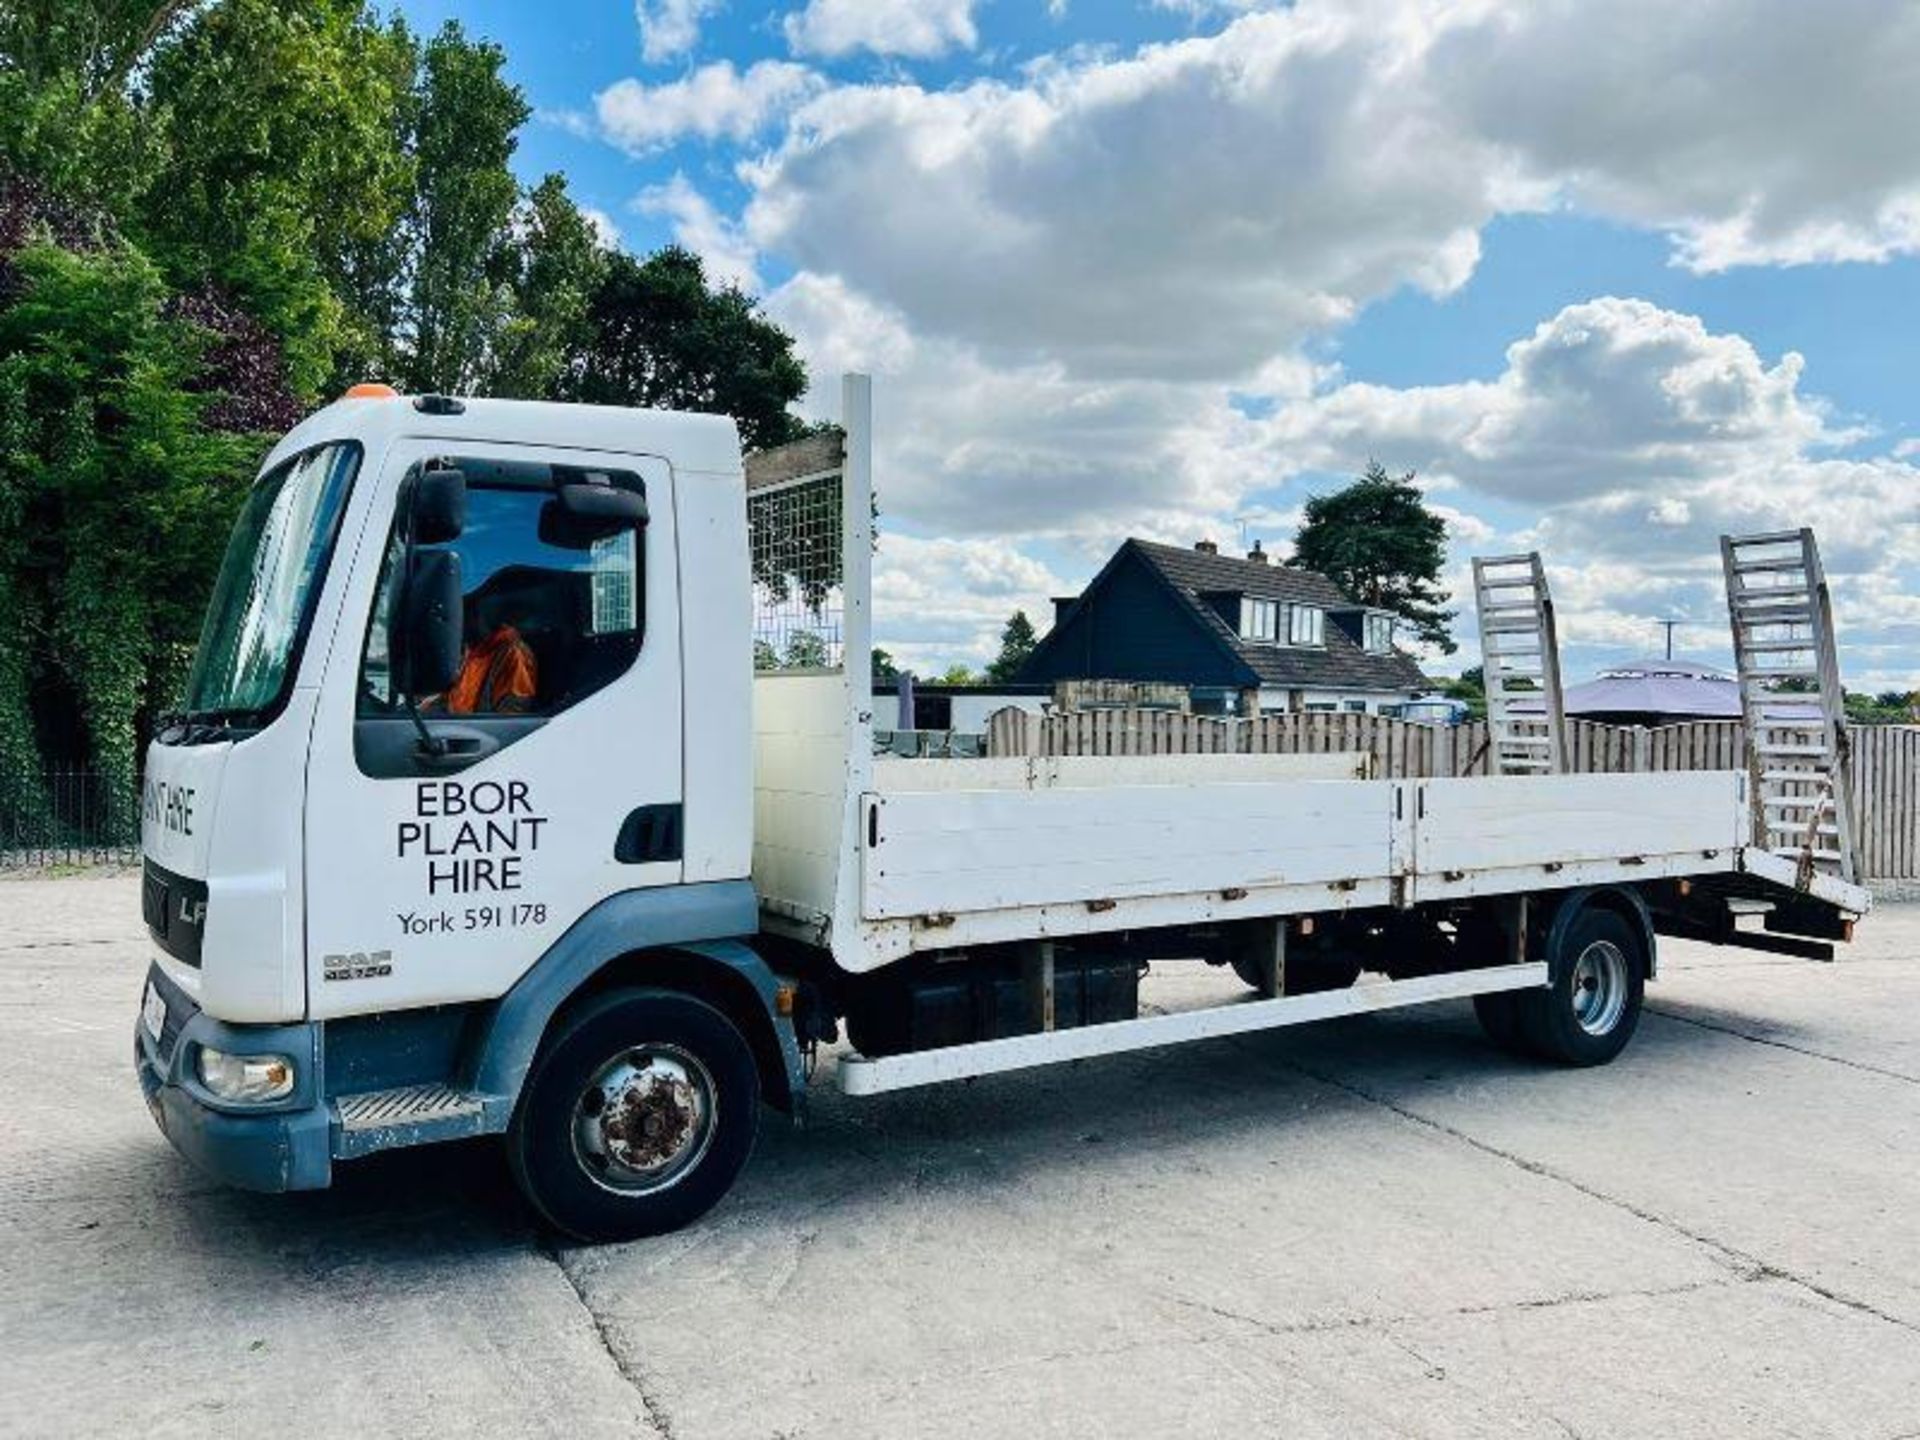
(427, 657)
(581, 513)
(439, 507)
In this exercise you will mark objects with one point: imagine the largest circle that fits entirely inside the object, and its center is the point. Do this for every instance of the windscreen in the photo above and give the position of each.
(263, 599)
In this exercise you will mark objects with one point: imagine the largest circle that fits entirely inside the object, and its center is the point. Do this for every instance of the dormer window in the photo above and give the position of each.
(1259, 620)
(1306, 625)
(1379, 633)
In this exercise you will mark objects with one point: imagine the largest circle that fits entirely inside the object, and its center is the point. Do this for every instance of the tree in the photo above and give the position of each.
(1016, 644)
(1378, 541)
(1889, 707)
(284, 167)
(661, 336)
(464, 197)
(116, 489)
(885, 672)
(957, 674)
(212, 213)
(555, 270)
(1470, 688)
(806, 650)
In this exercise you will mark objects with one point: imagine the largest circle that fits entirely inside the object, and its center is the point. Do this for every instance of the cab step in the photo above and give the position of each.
(405, 1115)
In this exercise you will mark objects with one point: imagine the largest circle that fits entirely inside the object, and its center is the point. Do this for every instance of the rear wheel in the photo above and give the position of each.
(1308, 973)
(1589, 1012)
(1499, 1016)
(639, 1113)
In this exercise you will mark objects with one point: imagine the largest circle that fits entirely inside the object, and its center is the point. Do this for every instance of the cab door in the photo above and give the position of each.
(441, 866)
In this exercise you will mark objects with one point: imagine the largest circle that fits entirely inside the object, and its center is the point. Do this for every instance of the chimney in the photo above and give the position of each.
(1206, 547)
(1256, 554)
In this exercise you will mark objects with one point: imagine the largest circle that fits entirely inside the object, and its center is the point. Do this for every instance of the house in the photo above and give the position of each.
(1244, 636)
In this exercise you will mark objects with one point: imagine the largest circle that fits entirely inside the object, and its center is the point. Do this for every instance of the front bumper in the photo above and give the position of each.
(282, 1146)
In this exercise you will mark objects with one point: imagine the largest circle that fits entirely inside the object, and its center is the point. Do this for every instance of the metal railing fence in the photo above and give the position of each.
(67, 815)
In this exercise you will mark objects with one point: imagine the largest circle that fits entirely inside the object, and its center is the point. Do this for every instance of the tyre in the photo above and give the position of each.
(1589, 1012)
(638, 1113)
(1307, 973)
(1499, 1016)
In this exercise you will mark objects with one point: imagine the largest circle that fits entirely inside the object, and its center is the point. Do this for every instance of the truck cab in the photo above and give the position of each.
(466, 724)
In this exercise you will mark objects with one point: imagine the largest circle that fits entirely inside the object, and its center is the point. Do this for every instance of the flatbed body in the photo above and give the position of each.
(953, 853)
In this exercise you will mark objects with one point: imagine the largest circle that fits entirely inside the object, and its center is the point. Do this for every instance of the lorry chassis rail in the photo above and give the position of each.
(860, 1075)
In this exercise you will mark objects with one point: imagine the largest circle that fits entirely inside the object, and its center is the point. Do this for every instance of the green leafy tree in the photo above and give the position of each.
(806, 650)
(1889, 707)
(1471, 688)
(119, 487)
(885, 671)
(1378, 541)
(1016, 644)
(958, 674)
(284, 167)
(95, 43)
(661, 336)
(212, 213)
(462, 292)
(555, 270)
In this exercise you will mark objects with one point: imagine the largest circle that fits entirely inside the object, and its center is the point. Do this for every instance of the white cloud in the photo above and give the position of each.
(1196, 9)
(941, 601)
(1775, 138)
(975, 448)
(729, 259)
(605, 229)
(1637, 437)
(1621, 439)
(918, 28)
(1064, 279)
(1195, 209)
(670, 27)
(1606, 396)
(577, 123)
(716, 101)
(1188, 212)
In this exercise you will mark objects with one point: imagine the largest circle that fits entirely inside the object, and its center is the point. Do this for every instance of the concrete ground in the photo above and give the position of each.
(1374, 1227)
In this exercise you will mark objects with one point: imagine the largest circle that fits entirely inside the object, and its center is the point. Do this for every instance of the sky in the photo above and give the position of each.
(1611, 280)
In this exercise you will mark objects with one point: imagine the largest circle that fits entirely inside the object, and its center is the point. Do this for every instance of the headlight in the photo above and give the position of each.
(246, 1077)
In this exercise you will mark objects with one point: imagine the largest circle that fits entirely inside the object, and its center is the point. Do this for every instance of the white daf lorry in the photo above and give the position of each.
(524, 785)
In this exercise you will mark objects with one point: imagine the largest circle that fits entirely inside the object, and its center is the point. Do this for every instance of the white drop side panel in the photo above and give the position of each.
(1471, 831)
(800, 758)
(892, 775)
(955, 852)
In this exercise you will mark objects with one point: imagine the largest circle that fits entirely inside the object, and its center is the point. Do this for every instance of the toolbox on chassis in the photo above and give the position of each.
(524, 784)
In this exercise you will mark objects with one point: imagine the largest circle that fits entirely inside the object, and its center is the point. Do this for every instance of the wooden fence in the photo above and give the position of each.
(1886, 758)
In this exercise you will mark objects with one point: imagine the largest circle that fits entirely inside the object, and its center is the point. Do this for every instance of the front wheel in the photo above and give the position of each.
(639, 1113)
(1589, 1011)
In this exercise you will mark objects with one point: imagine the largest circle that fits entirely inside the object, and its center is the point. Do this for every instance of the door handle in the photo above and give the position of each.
(457, 747)
(649, 833)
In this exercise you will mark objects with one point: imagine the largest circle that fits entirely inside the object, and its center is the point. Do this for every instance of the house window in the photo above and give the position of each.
(1306, 625)
(1356, 707)
(1260, 620)
(1379, 632)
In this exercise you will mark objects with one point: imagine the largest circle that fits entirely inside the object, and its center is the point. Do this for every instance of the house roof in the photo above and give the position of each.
(1340, 665)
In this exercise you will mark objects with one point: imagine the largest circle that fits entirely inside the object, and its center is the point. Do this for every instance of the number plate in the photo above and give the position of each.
(153, 1011)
